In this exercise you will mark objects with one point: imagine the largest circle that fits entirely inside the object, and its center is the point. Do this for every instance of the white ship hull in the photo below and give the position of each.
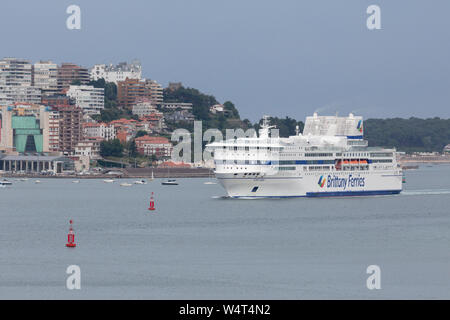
(336, 184)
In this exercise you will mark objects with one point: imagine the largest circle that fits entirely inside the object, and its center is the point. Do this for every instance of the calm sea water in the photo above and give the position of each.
(199, 245)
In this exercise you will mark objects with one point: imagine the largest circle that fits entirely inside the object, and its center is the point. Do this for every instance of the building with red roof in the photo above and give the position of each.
(159, 146)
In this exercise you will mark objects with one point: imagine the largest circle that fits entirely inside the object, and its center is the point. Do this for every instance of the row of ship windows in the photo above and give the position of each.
(319, 155)
(289, 162)
(318, 168)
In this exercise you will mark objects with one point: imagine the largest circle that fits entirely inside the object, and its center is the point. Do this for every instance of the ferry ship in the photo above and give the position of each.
(330, 158)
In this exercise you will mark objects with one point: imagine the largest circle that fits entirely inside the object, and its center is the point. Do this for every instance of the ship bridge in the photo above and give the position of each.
(350, 127)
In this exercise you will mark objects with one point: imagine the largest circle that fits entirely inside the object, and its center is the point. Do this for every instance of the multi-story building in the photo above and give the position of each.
(25, 128)
(56, 100)
(179, 116)
(176, 106)
(143, 108)
(119, 72)
(88, 98)
(70, 129)
(85, 148)
(45, 77)
(154, 122)
(15, 72)
(125, 129)
(69, 73)
(99, 130)
(158, 146)
(132, 91)
(156, 91)
(53, 131)
(89, 147)
(25, 94)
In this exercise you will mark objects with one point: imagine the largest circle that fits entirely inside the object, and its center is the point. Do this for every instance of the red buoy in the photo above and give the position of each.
(152, 203)
(71, 237)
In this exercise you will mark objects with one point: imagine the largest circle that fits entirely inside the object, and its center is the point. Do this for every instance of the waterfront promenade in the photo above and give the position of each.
(127, 173)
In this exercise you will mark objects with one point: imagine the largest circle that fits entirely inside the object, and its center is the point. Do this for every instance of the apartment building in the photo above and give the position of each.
(70, 127)
(116, 73)
(68, 73)
(143, 108)
(158, 146)
(102, 130)
(132, 91)
(88, 98)
(45, 77)
(9, 94)
(15, 72)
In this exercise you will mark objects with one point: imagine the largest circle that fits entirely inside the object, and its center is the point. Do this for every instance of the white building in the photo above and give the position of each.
(90, 99)
(217, 108)
(143, 109)
(177, 106)
(86, 149)
(99, 130)
(15, 72)
(45, 77)
(11, 94)
(118, 72)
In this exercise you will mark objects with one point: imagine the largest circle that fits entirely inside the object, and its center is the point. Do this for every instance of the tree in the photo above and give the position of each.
(110, 90)
(133, 149)
(231, 110)
(111, 148)
(141, 133)
(200, 102)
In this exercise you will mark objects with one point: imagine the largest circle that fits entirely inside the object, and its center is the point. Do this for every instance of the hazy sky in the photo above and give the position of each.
(282, 58)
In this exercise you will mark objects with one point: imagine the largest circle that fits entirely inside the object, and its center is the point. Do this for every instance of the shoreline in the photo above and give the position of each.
(129, 173)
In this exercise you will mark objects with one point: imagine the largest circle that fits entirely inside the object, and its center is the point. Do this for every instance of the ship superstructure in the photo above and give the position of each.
(330, 158)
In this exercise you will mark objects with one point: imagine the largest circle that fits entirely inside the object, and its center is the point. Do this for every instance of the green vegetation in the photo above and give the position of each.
(413, 134)
(200, 102)
(200, 109)
(111, 148)
(111, 111)
(110, 91)
(141, 133)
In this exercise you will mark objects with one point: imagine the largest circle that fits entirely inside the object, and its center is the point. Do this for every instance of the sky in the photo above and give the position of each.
(281, 58)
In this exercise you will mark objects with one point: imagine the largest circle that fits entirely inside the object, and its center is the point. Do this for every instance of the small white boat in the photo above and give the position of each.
(24, 179)
(140, 182)
(5, 183)
(125, 184)
(37, 181)
(108, 181)
(170, 182)
(76, 181)
(210, 182)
